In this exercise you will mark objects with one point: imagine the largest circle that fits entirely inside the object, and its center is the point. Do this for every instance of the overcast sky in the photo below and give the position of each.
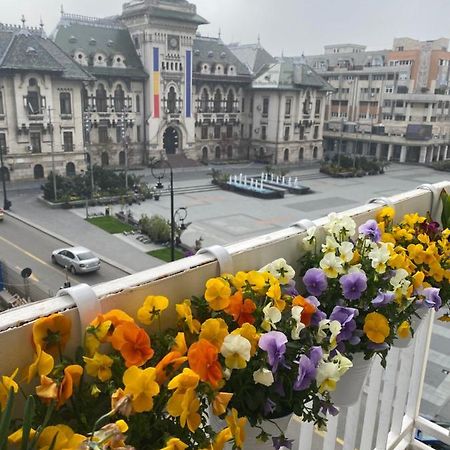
(291, 26)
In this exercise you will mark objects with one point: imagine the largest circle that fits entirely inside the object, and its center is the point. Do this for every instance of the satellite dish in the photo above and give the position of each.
(26, 273)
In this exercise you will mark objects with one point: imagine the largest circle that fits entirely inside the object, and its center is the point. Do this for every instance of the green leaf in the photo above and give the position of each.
(28, 417)
(6, 420)
(445, 216)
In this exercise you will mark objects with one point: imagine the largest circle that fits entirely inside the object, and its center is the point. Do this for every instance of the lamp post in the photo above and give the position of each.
(181, 215)
(159, 172)
(6, 202)
(52, 149)
(123, 123)
(87, 128)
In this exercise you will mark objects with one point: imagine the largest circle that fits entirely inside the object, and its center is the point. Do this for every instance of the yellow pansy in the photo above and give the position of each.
(185, 406)
(376, 327)
(220, 403)
(221, 439)
(386, 214)
(95, 335)
(256, 280)
(122, 425)
(6, 384)
(42, 365)
(99, 366)
(65, 438)
(274, 293)
(218, 293)
(249, 332)
(237, 427)
(214, 331)
(413, 219)
(179, 344)
(404, 330)
(152, 308)
(175, 444)
(188, 379)
(141, 386)
(16, 437)
(184, 311)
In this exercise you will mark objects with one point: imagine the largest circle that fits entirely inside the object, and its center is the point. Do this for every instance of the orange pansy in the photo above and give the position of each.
(133, 343)
(203, 360)
(47, 390)
(241, 310)
(168, 365)
(52, 333)
(308, 309)
(72, 376)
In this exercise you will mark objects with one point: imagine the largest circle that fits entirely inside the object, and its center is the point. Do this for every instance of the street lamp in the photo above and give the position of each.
(123, 124)
(6, 202)
(159, 172)
(87, 128)
(180, 215)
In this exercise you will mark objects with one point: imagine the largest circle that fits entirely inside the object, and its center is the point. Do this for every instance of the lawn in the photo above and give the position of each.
(164, 254)
(110, 224)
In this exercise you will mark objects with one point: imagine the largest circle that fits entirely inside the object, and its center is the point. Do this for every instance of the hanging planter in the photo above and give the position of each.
(349, 387)
(416, 322)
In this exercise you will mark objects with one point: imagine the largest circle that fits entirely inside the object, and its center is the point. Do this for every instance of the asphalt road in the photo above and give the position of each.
(23, 246)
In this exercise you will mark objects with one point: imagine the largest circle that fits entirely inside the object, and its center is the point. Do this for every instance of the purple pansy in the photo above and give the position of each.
(306, 373)
(269, 407)
(383, 298)
(353, 285)
(377, 347)
(345, 316)
(315, 281)
(432, 298)
(290, 289)
(274, 343)
(281, 442)
(370, 230)
(329, 408)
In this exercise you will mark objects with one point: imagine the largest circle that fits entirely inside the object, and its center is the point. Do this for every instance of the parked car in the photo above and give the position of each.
(1, 214)
(76, 259)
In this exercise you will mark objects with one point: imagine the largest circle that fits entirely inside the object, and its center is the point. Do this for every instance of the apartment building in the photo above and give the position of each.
(390, 104)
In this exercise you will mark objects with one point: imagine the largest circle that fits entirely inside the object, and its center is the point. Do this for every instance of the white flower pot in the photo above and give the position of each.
(271, 427)
(415, 325)
(349, 387)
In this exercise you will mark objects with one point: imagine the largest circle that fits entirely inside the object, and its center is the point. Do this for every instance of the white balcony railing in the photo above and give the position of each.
(388, 411)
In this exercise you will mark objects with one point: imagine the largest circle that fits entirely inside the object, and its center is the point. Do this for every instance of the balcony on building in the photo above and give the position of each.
(386, 416)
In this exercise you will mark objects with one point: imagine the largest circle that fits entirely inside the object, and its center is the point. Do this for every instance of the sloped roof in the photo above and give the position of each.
(107, 36)
(214, 51)
(356, 59)
(288, 74)
(254, 56)
(29, 49)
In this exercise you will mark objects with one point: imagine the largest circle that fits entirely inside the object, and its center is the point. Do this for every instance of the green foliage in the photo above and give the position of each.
(110, 224)
(358, 166)
(156, 228)
(442, 165)
(107, 183)
(445, 216)
(218, 176)
(164, 254)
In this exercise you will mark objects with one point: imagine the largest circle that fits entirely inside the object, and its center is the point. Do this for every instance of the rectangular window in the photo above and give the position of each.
(138, 133)
(217, 132)
(3, 143)
(118, 134)
(265, 109)
(229, 131)
(35, 142)
(2, 110)
(250, 131)
(316, 132)
(242, 130)
(65, 103)
(389, 90)
(204, 134)
(263, 133)
(317, 109)
(243, 105)
(103, 137)
(302, 132)
(286, 133)
(287, 110)
(68, 141)
(138, 103)
(33, 103)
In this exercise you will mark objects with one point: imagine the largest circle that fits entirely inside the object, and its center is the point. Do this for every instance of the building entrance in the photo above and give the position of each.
(171, 141)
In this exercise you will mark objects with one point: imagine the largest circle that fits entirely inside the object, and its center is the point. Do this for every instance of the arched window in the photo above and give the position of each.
(315, 152)
(217, 152)
(218, 101)
(70, 169)
(301, 153)
(204, 101)
(119, 99)
(230, 152)
(286, 155)
(122, 158)
(230, 101)
(307, 104)
(100, 99)
(38, 172)
(138, 103)
(105, 159)
(205, 153)
(34, 103)
(172, 100)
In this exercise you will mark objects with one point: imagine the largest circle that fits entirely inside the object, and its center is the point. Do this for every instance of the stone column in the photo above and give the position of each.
(423, 155)
(390, 152)
(446, 155)
(378, 152)
(403, 154)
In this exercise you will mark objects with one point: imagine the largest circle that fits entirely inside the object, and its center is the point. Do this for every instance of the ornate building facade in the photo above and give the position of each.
(146, 85)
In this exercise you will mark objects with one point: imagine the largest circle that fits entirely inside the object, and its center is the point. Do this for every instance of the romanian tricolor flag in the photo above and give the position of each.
(156, 83)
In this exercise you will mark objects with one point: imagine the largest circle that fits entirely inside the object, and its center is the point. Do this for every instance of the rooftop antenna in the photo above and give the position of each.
(23, 21)
(259, 40)
(62, 9)
(220, 33)
(41, 24)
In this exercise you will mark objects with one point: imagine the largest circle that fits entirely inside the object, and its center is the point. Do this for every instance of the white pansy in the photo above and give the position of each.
(298, 326)
(341, 227)
(331, 265)
(272, 316)
(346, 251)
(356, 268)
(235, 345)
(379, 256)
(280, 269)
(324, 326)
(330, 245)
(343, 363)
(263, 376)
(327, 376)
(335, 329)
(397, 279)
(226, 373)
(308, 240)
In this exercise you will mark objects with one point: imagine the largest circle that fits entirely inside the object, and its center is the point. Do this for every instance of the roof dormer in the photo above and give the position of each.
(231, 70)
(100, 59)
(80, 57)
(205, 68)
(219, 69)
(118, 61)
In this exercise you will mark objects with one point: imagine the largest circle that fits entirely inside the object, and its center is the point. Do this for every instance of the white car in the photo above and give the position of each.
(76, 259)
